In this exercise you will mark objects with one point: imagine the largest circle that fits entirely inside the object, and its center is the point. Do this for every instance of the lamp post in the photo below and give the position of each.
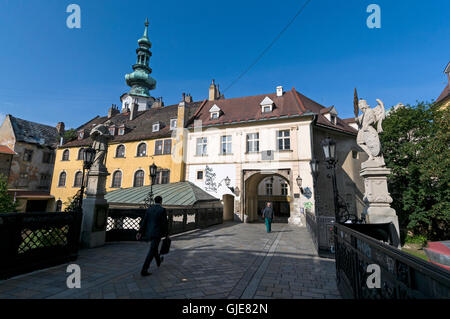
(153, 169)
(329, 150)
(88, 159)
(315, 173)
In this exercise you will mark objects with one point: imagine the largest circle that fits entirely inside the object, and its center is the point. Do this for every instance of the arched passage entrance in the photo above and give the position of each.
(256, 194)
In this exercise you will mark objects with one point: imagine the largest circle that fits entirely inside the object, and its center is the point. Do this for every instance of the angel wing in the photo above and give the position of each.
(380, 115)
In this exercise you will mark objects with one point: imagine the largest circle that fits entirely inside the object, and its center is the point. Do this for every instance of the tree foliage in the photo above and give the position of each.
(7, 204)
(416, 142)
(69, 135)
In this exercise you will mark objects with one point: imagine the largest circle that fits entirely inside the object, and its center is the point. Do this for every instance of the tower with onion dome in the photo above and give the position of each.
(140, 81)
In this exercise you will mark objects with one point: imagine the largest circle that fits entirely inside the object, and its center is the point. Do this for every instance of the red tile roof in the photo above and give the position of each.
(445, 94)
(248, 108)
(6, 150)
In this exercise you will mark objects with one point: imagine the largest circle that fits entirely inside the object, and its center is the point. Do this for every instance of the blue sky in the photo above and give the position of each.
(50, 73)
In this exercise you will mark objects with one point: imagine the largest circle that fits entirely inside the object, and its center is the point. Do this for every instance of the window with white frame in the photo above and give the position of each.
(266, 105)
(269, 189)
(78, 179)
(214, 112)
(116, 179)
(142, 150)
(225, 144)
(173, 124)
(202, 143)
(333, 119)
(155, 127)
(252, 142)
(139, 178)
(284, 140)
(284, 189)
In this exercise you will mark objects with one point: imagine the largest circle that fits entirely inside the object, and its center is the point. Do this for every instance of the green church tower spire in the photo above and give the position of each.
(140, 80)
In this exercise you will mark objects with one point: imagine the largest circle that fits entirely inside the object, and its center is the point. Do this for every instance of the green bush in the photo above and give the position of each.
(418, 239)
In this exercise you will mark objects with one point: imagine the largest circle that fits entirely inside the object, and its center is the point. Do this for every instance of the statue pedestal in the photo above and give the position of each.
(377, 197)
(95, 210)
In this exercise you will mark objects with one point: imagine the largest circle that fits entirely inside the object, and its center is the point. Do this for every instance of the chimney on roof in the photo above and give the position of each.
(158, 103)
(279, 91)
(186, 98)
(60, 128)
(134, 110)
(214, 92)
(113, 111)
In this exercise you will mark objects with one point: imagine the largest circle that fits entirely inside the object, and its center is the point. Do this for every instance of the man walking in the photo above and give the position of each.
(268, 216)
(153, 228)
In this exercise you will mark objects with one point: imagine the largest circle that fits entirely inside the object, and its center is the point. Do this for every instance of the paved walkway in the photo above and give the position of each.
(226, 261)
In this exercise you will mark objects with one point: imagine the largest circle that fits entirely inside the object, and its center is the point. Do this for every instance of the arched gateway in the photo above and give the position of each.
(261, 186)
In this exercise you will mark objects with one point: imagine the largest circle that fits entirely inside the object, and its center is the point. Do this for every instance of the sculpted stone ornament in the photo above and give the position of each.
(374, 171)
(95, 207)
(368, 138)
(101, 137)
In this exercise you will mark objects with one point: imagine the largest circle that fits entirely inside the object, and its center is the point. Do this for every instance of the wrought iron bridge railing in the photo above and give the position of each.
(31, 241)
(321, 230)
(123, 224)
(402, 276)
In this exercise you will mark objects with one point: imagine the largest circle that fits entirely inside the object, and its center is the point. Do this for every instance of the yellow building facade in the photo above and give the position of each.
(129, 157)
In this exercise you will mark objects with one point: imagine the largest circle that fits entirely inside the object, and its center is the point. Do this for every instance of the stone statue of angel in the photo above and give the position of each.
(368, 138)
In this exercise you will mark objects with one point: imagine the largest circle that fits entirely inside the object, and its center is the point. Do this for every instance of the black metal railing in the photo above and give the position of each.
(402, 276)
(321, 230)
(123, 224)
(31, 241)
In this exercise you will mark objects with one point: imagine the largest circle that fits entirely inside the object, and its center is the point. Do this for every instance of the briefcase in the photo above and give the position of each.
(165, 247)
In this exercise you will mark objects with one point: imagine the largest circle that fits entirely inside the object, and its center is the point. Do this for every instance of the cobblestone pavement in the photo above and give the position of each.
(233, 260)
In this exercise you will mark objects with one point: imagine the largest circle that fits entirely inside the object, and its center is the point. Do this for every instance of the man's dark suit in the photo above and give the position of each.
(153, 227)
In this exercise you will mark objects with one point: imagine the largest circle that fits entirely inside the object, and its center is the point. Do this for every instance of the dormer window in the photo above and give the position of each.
(112, 130)
(155, 127)
(333, 119)
(266, 105)
(173, 124)
(82, 134)
(330, 114)
(121, 130)
(214, 112)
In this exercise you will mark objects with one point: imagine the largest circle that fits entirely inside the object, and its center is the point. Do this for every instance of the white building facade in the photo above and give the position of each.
(257, 148)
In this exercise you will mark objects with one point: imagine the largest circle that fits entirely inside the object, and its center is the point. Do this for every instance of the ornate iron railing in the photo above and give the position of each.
(31, 241)
(402, 276)
(123, 224)
(321, 230)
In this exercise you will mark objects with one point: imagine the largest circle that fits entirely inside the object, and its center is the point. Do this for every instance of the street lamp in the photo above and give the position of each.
(88, 160)
(329, 150)
(153, 170)
(314, 169)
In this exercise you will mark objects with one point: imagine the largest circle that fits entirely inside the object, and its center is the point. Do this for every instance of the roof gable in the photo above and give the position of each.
(266, 101)
(214, 108)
